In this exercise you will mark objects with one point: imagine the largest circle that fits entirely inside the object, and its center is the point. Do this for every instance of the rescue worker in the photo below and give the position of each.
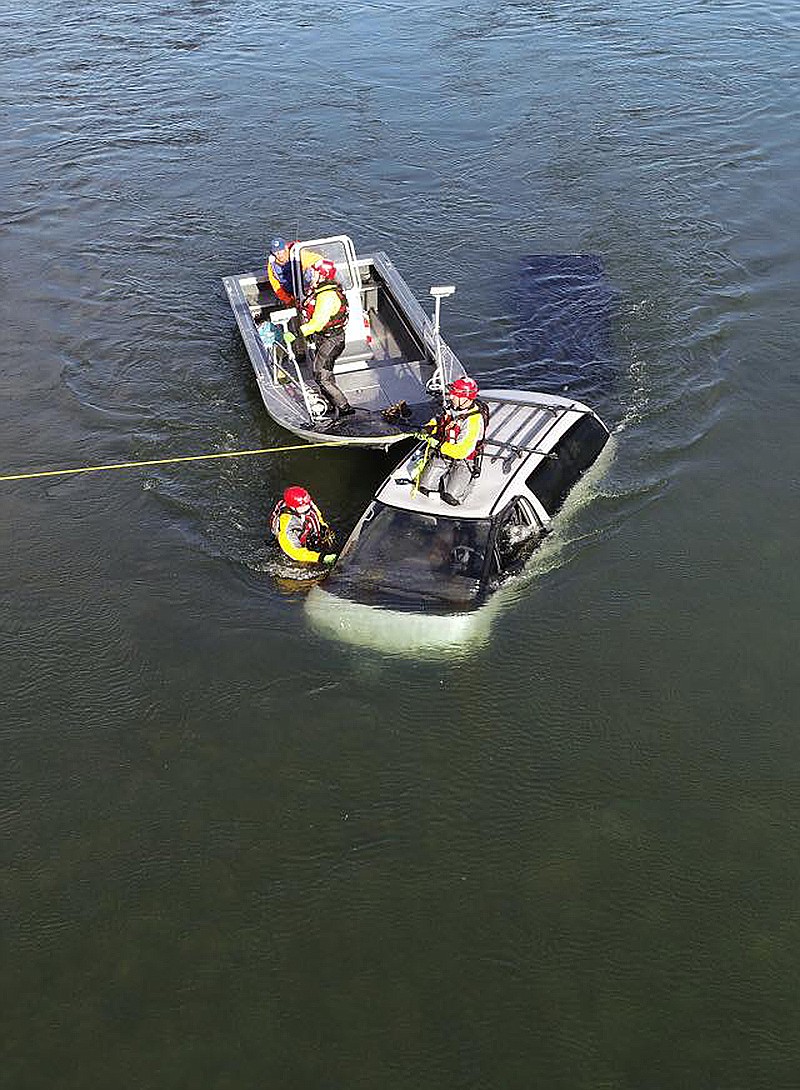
(301, 529)
(456, 442)
(325, 319)
(279, 269)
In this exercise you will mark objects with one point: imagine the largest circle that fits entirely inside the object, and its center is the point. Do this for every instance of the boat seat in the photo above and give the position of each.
(354, 356)
(378, 387)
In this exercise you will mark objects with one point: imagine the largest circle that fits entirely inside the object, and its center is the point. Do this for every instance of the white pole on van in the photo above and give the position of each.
(439, 292)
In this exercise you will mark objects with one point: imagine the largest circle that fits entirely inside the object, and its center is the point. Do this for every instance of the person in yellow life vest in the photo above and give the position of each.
(325, 314)
(456, 441)
(301, 529)
(279, 269)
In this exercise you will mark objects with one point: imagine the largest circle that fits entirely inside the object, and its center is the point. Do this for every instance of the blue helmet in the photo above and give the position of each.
(277, 243)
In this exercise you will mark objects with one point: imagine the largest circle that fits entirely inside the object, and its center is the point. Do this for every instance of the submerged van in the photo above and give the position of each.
(414, 553)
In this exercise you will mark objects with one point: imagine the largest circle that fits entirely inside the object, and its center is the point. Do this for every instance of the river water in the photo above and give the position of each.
(240, 853)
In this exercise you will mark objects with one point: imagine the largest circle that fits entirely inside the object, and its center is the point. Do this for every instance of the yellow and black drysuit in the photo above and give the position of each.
(456, 460)
(325, 311)
(305, 538)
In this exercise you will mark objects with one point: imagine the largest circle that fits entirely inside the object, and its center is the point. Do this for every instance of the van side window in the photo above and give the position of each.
(517, 529)
(574, 452)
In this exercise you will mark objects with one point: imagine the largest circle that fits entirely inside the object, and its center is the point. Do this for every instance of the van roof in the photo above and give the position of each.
(523, 428)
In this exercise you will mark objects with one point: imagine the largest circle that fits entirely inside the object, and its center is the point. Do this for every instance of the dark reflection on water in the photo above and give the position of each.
(238, 852)
(565, 311)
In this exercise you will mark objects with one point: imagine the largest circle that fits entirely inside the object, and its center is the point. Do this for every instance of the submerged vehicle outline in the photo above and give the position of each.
(415, 554)
(394, 352)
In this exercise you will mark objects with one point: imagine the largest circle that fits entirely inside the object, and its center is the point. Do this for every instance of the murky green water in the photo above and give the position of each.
(237, 853)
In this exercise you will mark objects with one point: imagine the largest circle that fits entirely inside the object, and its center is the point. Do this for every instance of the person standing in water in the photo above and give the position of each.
(301, 529)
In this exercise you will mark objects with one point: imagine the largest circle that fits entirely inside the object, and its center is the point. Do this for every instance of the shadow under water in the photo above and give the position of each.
(564, 310)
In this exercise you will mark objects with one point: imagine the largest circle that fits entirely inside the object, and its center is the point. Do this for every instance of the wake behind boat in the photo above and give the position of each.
(393, 359)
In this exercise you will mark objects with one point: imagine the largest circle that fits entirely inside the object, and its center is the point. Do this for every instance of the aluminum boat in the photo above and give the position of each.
(394, 355)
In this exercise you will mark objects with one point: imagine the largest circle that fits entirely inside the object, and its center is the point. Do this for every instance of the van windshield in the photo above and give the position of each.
(408, 560)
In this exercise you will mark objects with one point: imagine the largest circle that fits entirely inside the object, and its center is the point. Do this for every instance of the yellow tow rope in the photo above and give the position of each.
(164, 461)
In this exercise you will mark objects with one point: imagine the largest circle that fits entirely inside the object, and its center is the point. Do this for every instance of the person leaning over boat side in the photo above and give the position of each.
(279, 269)
(457, 443)
(325, 312)
(300, 528)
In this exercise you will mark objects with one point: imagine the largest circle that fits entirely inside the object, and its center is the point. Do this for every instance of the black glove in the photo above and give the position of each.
(426, 437)
(323, 540)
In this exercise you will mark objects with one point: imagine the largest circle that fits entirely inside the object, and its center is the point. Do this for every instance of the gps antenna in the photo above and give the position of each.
(439, 292)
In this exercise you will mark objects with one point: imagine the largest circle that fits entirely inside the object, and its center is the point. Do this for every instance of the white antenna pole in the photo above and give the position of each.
(439, 292)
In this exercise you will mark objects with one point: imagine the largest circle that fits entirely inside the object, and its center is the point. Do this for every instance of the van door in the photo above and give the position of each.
(340, 250)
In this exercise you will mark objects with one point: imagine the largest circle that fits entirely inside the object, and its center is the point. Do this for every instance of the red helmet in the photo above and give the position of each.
(296, 497)
(326, 269)
(464, 387)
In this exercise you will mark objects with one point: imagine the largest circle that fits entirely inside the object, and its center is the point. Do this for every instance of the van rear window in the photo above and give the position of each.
(575, 452)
